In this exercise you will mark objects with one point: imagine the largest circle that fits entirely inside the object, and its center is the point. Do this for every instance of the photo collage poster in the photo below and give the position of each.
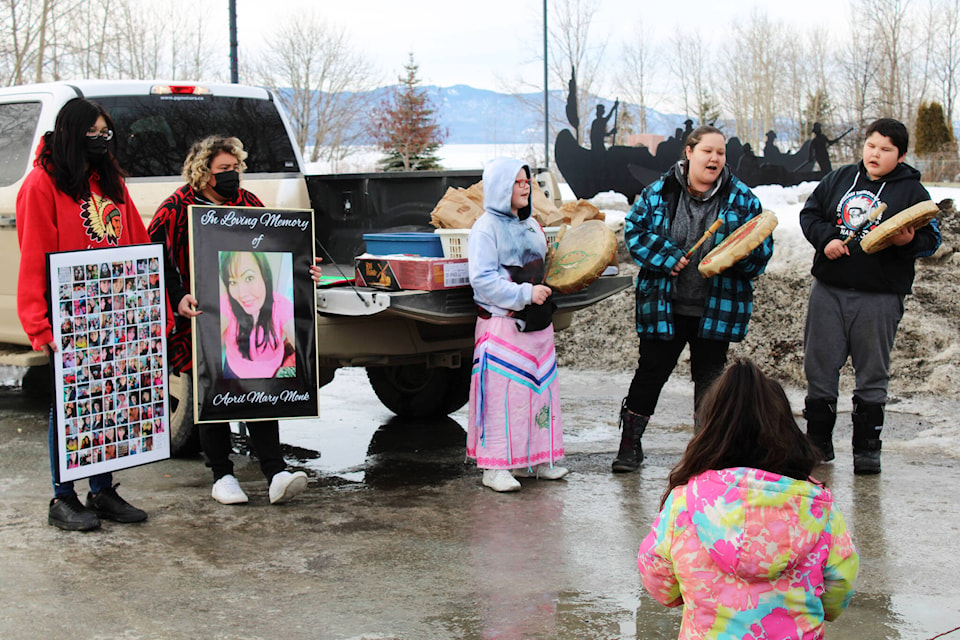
(255, 355)
(108, 314)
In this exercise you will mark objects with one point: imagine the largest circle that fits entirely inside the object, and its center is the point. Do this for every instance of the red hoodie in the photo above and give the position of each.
(49, 220)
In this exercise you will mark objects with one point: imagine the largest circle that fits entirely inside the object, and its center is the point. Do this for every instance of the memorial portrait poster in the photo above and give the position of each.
(254, 344)
(108, 312)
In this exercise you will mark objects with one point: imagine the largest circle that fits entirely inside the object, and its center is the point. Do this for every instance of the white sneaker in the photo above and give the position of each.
(500, 480)
(546, 472)
(541, 471)
(285, 486)
(227, 490)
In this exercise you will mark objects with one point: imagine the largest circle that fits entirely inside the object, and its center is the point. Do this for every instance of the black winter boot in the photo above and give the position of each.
(632, 426)
(867, 425)
(821, 416)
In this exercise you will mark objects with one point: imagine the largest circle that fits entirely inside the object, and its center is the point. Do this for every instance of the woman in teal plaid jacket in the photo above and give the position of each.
(676, 306)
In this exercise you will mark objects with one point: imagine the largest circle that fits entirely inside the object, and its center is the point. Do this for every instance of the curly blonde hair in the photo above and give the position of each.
(196, 168)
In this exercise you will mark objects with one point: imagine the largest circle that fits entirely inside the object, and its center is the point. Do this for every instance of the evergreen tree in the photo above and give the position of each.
(818, 109)
(405, 127)
(626, 124)
(709, 111)
(932, 133)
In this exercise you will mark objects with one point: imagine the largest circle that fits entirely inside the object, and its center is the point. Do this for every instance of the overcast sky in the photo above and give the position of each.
(490, 44)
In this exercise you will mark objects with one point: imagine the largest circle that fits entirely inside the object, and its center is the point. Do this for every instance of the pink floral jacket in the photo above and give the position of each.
(750, 554)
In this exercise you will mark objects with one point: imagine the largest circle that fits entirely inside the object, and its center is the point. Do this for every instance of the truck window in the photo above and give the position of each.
(18, 122)
(154, 133)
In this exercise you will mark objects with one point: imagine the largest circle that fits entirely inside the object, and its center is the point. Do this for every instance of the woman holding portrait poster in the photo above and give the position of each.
(212, 171)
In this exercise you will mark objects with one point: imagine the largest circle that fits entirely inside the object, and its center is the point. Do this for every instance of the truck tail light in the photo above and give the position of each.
(178, 89)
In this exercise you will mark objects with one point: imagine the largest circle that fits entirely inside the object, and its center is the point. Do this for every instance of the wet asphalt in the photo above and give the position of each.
(395, 537)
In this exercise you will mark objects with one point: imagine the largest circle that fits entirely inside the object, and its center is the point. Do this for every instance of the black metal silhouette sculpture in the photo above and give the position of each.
(598, 130)
(627, 170)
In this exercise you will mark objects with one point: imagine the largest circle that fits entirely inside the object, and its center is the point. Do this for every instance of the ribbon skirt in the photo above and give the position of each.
(515, 416)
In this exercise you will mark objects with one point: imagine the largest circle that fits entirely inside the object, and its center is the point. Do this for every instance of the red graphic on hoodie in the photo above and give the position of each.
(102, 219)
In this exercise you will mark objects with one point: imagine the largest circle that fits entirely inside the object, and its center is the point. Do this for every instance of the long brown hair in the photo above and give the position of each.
(746, 421)
(63, 154)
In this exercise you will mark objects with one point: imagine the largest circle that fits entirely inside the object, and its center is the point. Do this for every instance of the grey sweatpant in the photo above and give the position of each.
(841, 323)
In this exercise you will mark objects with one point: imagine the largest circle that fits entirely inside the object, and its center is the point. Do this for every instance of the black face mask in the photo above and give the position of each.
(228, 184)
(96, 147)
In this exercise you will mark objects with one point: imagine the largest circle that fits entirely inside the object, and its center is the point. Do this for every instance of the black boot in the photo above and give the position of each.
(821, 416)
(867, 425)
(632, 426)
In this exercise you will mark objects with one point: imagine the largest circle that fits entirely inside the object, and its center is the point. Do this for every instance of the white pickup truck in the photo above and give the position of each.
(415, 345)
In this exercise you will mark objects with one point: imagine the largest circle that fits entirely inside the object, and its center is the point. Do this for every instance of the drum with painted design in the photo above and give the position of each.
(738, 244)
(581, 254)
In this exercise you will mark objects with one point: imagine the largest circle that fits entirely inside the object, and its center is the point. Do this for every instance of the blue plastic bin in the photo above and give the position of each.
(413, 243)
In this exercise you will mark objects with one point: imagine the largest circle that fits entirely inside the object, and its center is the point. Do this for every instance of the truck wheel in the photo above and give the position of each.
(416, 391)
(184, 435)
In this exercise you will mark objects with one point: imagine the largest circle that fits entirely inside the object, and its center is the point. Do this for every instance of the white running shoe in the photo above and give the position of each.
(541, 471)
(227, 490)
(546, 472)
(500, 480)
(286, 486)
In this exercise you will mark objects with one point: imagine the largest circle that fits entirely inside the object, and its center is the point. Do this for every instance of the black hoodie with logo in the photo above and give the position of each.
(840, 203)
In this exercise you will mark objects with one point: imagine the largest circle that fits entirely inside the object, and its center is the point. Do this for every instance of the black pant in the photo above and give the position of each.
(659, 357)
(264, 440)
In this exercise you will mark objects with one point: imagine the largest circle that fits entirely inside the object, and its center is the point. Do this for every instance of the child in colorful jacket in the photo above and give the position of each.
(746, 541)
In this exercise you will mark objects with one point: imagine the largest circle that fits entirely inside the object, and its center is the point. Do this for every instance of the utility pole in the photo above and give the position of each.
(546, 95)
(234, 68)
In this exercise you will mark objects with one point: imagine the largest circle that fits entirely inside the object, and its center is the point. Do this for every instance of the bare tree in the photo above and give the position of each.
(641, 58)
(943, 36)
(890, 31)
(858, 62)
(570, 50)
(53, 39)
(320, 80)
(806, 88)
(163, 39)
(689, 67)
(756, 75)
(30, 41)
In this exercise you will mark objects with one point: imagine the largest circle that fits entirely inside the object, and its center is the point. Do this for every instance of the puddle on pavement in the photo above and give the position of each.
(357, 440)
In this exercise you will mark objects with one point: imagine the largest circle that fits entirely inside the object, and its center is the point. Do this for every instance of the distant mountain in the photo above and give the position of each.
(480, 116)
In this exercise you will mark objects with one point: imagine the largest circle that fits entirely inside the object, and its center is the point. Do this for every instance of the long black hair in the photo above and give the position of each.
(63, 153)
(264, 335)
(746, 421)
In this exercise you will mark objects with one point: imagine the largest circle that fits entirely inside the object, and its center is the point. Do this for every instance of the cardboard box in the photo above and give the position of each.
(398, 272)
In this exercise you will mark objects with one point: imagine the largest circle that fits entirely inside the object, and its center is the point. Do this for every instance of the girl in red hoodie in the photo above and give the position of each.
(75, 198)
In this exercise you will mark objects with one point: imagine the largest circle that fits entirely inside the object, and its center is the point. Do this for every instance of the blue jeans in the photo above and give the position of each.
(64, 489)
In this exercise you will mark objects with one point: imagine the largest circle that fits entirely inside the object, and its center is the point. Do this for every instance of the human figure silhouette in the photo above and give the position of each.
(598, 130)
(819, 148)
(749, 164)
(687, 129)
(770, 149)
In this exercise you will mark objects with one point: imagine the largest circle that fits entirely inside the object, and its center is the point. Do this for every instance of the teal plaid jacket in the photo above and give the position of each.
(729, 301)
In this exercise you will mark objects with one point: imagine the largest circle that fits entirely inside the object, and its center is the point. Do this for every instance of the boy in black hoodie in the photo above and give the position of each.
(856, 300)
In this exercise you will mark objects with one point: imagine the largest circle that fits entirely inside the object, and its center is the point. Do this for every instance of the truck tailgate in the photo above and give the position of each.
(450, 306)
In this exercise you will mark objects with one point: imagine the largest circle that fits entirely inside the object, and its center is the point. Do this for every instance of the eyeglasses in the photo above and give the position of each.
(106, 134)
(523, 182)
